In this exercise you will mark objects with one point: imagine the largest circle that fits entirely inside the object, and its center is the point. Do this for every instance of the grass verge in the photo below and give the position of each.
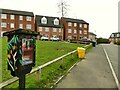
(45, 51)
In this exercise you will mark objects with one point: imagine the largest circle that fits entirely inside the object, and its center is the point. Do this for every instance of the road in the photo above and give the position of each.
(113, 54)
(94, 71)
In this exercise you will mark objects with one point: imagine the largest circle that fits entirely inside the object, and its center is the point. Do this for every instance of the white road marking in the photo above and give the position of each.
(113, 72)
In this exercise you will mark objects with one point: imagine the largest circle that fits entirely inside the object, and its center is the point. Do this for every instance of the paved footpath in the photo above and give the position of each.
(92, 72)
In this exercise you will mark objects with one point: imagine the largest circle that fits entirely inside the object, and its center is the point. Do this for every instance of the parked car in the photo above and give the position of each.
(85, 41)
(44, 38)
(54, 38)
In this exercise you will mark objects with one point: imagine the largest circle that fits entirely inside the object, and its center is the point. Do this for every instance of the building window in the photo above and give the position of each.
(118, 35)
(46, 29)
(69, 24)
(46, 35)
(112, 35)
(80, 31)
(56, 22)
(44, 20)
(40, 29)
(54, 29)
(75, 31)
(3, 16)
(85, 25)
(11, 25)
(28, 26)
(69, 30)
(69, 37)
(12, 17)
(80, 25)
(60, 30)
(4, 25)
(28, 18)
(21, 26)
(75, 24)
(20, 17)
(85, 31)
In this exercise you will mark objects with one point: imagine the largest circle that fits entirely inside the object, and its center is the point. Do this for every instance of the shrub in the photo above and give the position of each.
(118, 43)
(102, 40)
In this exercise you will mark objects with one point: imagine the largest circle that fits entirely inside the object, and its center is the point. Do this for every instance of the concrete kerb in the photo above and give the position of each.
(68, 70)
(63, 75)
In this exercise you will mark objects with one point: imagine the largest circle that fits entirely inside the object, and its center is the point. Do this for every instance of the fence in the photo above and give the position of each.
(38, 69)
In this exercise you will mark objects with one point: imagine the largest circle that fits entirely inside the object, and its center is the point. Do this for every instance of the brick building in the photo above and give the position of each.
(13, 19)
(92, 36)
(48, 26)
(115, 37)
(74, 29)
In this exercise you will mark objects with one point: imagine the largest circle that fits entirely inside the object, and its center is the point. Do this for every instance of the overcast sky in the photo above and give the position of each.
(102, 15)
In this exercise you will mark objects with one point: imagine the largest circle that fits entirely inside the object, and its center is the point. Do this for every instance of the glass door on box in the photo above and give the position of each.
(27, 51)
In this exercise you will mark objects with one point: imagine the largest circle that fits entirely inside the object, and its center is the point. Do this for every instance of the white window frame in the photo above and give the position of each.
(12, 17)
(69, 23)
(28, 18)
(3, 24)
(118, 35)
(44, 20)
(46, 29)
(69, 37)
(80, 31)
(80, 25)
(40, 29)
(21, 26)
(28, 26)
(69, 30)
(112, 35)
(75, 31)
(54, 29)
(56, 21)
(20, 17)
(60, 30)
(75, 24)
(85, 31)
(85, 25)
(3, 16)
(12, 25)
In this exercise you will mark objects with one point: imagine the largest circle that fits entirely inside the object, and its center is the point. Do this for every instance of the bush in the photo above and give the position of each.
(118, 43)
(102, 40)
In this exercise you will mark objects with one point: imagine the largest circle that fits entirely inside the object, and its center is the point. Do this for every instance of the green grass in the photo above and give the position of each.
(45, 52)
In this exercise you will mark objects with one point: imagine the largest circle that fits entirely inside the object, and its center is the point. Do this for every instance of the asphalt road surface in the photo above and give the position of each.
(93, 71)
(113, 54)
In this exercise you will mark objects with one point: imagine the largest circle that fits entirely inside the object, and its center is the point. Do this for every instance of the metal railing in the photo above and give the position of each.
(38, 69)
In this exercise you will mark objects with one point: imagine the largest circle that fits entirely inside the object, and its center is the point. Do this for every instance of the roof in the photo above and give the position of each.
(91, 33)
(115, 35)
(50, 21)
(16, 12)
(75, 20)
(20, 31)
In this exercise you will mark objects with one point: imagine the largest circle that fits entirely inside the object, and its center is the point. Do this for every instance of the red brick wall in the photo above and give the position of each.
(16, 22)
(78, 35)
(50, 33)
